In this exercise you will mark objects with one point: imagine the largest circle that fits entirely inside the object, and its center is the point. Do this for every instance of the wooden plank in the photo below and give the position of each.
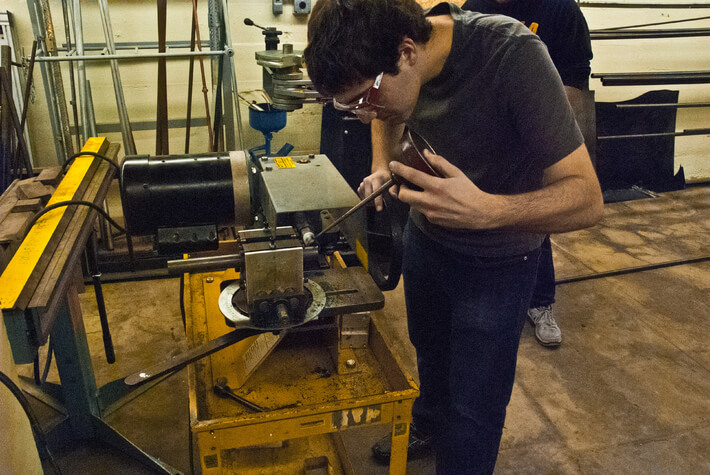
(34, 189)
(18, 281)
(74, 240)
(50, 176)
(60, 273)
(33, 205)
(8, 200)
(62, 270)
(14, 227)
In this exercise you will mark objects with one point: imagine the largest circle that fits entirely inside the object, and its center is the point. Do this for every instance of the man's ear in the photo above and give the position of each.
(408, 51)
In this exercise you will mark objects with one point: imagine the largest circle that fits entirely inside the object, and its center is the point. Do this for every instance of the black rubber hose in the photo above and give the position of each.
(74, 203)
(39, 435)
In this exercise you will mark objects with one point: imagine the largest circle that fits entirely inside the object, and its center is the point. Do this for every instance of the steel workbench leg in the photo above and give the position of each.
(401, 417)
(80, 394)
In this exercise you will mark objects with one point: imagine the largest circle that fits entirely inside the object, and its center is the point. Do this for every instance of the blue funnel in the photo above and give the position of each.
(269, 121)
(266, 121)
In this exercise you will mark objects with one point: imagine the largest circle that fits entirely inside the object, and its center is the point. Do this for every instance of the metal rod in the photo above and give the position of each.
(642, 5)
(108, 232)
(218, 114)
(647, 34)
(133, 45)
(362, 203)
(6, 85)
(90, 110)
(670, 105)
(640, 79)
(72, 82)
(190, 76)
(195, 265)
(61, 104)
(129, 143)
(177, 362)
(222, 390)
(80, 70)
(28, 86)
(162, 140)
(214, 19)
(632, 270)
(685, 20)
(43, 30)
(148, 125)
(105, 230)
(233, 72)
(7, 154)
(37, 19)
(659, 134)
(108, 57)
(205, 90)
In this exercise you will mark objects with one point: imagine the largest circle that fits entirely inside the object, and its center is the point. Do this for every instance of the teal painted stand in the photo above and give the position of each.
(83, 403)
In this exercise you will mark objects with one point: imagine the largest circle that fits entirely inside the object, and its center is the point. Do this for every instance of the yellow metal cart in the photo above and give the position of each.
(307, 400)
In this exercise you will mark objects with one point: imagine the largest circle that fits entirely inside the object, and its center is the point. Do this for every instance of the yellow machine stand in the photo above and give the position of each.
(307, 401)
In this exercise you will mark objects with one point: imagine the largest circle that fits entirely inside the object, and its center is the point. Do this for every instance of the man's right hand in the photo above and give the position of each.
(373, 182)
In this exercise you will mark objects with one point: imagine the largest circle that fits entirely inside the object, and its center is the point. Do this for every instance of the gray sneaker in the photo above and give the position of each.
(546, 330)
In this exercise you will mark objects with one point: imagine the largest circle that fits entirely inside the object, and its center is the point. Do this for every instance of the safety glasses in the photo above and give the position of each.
(367, 100)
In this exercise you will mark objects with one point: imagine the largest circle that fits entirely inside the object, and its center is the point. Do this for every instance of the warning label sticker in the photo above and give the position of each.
(284, 162)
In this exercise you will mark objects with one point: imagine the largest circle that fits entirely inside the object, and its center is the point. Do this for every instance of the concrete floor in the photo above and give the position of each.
(627, 392)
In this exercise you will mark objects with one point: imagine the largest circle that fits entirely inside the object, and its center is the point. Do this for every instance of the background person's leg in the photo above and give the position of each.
(547, 331)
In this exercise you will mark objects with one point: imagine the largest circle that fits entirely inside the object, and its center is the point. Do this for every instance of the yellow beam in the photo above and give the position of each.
(37, 241)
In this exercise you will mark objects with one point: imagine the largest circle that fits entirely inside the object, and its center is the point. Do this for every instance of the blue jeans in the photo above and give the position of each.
(465, 316)
(544, 293)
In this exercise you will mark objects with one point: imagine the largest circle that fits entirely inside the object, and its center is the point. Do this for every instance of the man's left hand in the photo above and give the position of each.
(452, 201)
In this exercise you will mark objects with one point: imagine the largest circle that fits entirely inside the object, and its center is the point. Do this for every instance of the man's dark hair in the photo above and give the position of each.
(350, 41)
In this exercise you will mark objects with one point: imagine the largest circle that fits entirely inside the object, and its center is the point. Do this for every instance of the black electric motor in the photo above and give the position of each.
(184, 199)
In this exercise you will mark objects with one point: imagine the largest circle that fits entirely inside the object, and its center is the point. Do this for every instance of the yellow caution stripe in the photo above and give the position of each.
(23, 263)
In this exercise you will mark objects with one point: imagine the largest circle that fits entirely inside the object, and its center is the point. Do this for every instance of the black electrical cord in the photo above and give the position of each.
(35, 369)
(71, 203)
(129, 242)
(39, 435)
(93, 154)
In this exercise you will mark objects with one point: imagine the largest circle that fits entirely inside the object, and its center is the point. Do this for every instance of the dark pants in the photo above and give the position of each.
(465, 317)
(544, 293)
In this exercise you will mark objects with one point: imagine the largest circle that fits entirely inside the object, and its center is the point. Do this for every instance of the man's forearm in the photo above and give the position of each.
(570, 200)
(569, 204)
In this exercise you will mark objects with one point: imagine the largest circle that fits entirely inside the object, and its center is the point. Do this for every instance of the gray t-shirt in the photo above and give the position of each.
(498, 111)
